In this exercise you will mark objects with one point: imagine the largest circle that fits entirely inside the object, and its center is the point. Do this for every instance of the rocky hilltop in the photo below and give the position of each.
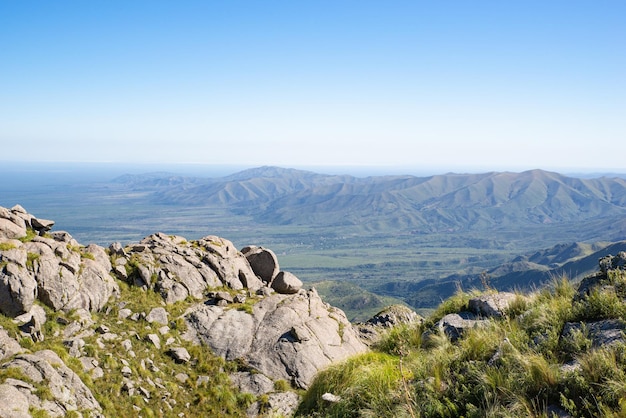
(171, 327)
(90, 331)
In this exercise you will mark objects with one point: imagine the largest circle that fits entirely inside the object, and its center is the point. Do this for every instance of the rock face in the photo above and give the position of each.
(247, 310)
(66, 392)
(51, 267)
(287, 337)
(177, 269)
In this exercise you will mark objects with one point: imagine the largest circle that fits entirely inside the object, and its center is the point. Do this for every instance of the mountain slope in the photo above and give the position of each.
(454, 201)
(441, 203)
(524, 273)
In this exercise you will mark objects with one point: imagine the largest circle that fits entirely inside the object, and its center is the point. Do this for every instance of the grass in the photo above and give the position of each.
(6, 246)
(510, 368)
(216, 398)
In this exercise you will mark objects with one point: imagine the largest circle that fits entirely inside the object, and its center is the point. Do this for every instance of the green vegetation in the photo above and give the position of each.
(206, 390)
(30, 234)
(6, 246)
(30, 260)
(516, 366)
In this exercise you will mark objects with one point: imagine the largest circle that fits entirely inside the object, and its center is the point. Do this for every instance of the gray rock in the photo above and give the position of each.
(288, 337)
(395, 315)
(17, 289)
(13, 403)
(179, 354)
(12, 223)
(601, 333)
(124, 313)
(10, 230)
(454, 325)
(329, 397)
(8, 346)
(126, 371)
(182, 377)
(282, 404)
(69, 278)
(154, 339)
(492, 304)
(158, 315)
(231, 266)
(41, 225)
(69, 393)
(254, 383)
(117, 249)
(225, 296)
(372, 331)
(263, 262)
(286, 283)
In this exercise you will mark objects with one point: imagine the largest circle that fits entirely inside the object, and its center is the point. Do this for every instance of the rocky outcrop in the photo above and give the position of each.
(178, 269)
(288, 337)
(16, 223)
(51, 267)
(247, 310)
(373, 330)
(64, 391)
(8, 346)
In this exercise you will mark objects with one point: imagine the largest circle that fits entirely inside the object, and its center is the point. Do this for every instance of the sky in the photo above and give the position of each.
(441, 85)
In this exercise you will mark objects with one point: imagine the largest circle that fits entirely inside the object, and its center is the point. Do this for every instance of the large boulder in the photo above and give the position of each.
(231, 266)
(262, 261)
(288, 337)
(286, 283)
(18, 288)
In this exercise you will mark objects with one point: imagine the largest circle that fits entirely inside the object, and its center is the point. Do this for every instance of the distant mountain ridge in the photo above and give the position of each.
(524, 273)
(440, 203)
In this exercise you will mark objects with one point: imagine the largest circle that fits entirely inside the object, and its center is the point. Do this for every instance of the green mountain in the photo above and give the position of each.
(441, 203)
(523, 273)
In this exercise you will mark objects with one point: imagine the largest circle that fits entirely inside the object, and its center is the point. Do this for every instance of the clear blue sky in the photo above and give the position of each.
(450, 84)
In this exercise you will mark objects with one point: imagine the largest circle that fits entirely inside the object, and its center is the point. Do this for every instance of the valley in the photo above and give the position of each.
(386, 238)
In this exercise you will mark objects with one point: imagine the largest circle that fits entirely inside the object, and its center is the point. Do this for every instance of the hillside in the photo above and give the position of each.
(162, 327)
(556, 352)
(523, 273)
(174, 327)
(425, 204)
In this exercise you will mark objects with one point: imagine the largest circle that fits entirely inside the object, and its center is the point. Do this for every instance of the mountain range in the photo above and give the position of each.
(440, 203)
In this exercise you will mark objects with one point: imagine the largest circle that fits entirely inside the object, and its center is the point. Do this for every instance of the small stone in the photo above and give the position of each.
(201, 380)
(329, 397)
(124, 313)
(182, 377)
(102, 329)
(158, 315)
(126, 371)
(127, 345)
(179, 354)
(154, 339)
